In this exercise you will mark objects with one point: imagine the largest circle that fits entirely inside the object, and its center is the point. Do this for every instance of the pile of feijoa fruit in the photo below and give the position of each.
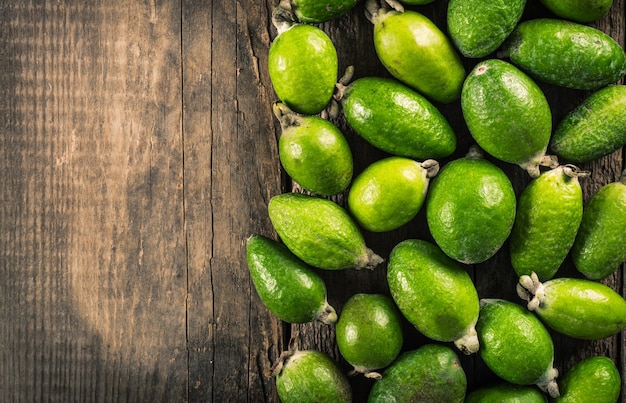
(468, 204)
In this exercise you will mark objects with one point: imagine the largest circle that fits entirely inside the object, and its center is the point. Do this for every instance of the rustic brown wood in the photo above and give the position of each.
(137, 153)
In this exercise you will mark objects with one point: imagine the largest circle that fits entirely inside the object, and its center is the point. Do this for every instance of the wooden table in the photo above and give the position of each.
(137, 153)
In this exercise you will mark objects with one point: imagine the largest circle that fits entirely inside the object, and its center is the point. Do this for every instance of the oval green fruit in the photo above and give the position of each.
(320, 232)
(507, 114)
(549, 212)
(583, 11)
(390, 192)
(434, 293)
(431, 373)
(303, 63)
(316, 11)
(599, 247)
(578, 308)
(515, 345)
(566, 53)
(479, 27)
(506, 392)
(396, 119)
(369, 332)
(470, 209)
(287, 286)
(594, 379)
(415, 51)
(310, 376)
(313, 152)
(594, 128)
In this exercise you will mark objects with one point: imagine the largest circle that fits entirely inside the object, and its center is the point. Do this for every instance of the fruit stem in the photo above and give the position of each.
(547, 382)
(374, 10)
(531, 290)
(468, 343)
(574, 172)
(431, 167)
(328, 315)
(369, 261)
(285, 116)
(342, 84)
(474, 152)
(282, 17)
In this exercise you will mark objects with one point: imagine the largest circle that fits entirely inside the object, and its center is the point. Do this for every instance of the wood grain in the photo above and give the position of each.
(137, 153)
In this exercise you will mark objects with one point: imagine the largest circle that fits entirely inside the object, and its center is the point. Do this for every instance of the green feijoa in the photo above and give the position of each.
(583, 11)
(594, 379)
(311, 376)
(578, 308)
(594, 128)
(320, 232)
(479, 27)
(470, 208)
(303, 63)
(599, 247)
(506, 392)
(313, 152)
(369, 332)
(390, 192)
(415, 51)
(549, 212)
(396, 119)
(507, 114)
(434, 293)
(289, 288)
(432, 373)
(566, 53)
(316, 11)
(515, 345)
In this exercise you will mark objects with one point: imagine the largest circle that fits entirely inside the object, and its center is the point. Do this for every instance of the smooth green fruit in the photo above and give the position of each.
(390, 192)
(479, 27)
(515, 345)
(396, 119)
(549, 212)
(369, 332)
(593, 129)
(507, 114)
(470, 208)
(578, 308)
(431, 373)
(566, 53)
(310, 376)
(583, 11)
(593, 379)
(599, 247)
(316, 11)
(303, 65)
(320, 232)
(289, 288)
(415, 51)
(506, 392)
(434, 293)
(313, 152)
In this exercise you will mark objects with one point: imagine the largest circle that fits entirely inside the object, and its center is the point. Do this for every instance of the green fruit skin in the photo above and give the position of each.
(316, 155)
(318, 231)
(432, 291)
(549, 212)
(289, 288)
(415, 51)
(599, 247)
(369, 332)
(303, 66)
(593, 129)
(431, 373)
(479, 27)
(315, 11)
(566, 53)
(506, 392)
(506, 113)
(582, 309)
(583, 11)
(514, 343)
(470, 209)
(310, 376)
(388, 193)
(594, 379)
(394, 118)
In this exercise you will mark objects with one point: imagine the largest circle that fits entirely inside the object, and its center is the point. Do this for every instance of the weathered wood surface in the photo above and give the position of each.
(137, 153)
